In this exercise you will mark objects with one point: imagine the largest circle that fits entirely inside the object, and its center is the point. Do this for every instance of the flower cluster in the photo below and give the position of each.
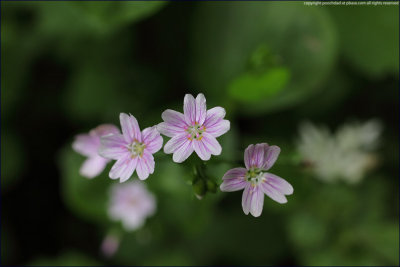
(194, 130)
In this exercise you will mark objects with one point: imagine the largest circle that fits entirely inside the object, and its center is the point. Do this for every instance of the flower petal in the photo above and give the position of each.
(272, 192)
(142, 170)
(211, 144)
(123, 168)
(248, 153)
(129, 170)
(149, 160)
(169, 129)
(93, 166)
(234, 180)
(201, 109)
(174, 143)
(252, 200)
(201, 150)
(104, 129)
(219, 128)
(189, 109)
(183, 152)
(214, 116)
(257, 202)
(130, 128)
(113, 146)
(271, 154)
(174, 123)
(254, 156)
(279, 183)
(152, 139)
(86, 145)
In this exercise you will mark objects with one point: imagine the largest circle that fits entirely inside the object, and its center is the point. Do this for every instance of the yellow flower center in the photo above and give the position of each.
(136, 149)
(195, 132)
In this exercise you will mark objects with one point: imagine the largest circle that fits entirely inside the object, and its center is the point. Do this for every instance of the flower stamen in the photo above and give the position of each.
(136, 148)
(195, 132)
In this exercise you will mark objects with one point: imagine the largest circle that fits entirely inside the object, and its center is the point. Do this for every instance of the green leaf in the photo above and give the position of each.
(251, 87)
(91, 18)
(240, 38)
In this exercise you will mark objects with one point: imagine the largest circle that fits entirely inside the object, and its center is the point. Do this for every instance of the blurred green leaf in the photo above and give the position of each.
(250, 87)
(92, 18)
(300, 39)
(369, 37)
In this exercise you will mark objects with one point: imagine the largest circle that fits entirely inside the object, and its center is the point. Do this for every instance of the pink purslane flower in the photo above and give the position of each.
(110, 245)
(132, 149)
(195, 130)
(131, 203)
(88, 145)
(255, 180)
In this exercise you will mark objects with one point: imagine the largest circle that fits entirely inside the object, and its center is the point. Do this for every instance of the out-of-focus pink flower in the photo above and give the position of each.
(110, 245)
(195, 130)
(131, 203)
(88, 145)
(255, 180)
(132, 149)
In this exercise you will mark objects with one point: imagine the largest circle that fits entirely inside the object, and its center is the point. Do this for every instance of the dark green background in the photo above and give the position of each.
(67, 67)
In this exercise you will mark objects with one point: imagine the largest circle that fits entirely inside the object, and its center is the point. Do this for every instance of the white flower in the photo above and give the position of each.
(345, 155)
(131, 203)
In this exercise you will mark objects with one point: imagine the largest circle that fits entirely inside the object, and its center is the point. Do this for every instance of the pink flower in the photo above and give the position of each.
(131, 204)
(88, 145)
(255, 180)
(132, 149)
(110, 245)
(195, 130)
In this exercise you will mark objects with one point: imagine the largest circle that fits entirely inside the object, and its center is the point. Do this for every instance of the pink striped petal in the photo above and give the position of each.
(219, 128)
(257, 158)
(174, 143)
(152, 139)
(183, 152)
(271, 154)
(129, 170)
(130, 128)
(279, 183)
(201, 109)
(201, 150)
(174, 123)
(235, 173)
(211, 144)
(147, 164)
(214, 116)
(234, 180)
(86, 145)
(248, 153)
(149, 161)
(169, 130)
(113, 146)
(189, 109)
(252, 200)
(272, 192)
(93, 166)
(104, 129)
(142, 169)
(123, 168)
